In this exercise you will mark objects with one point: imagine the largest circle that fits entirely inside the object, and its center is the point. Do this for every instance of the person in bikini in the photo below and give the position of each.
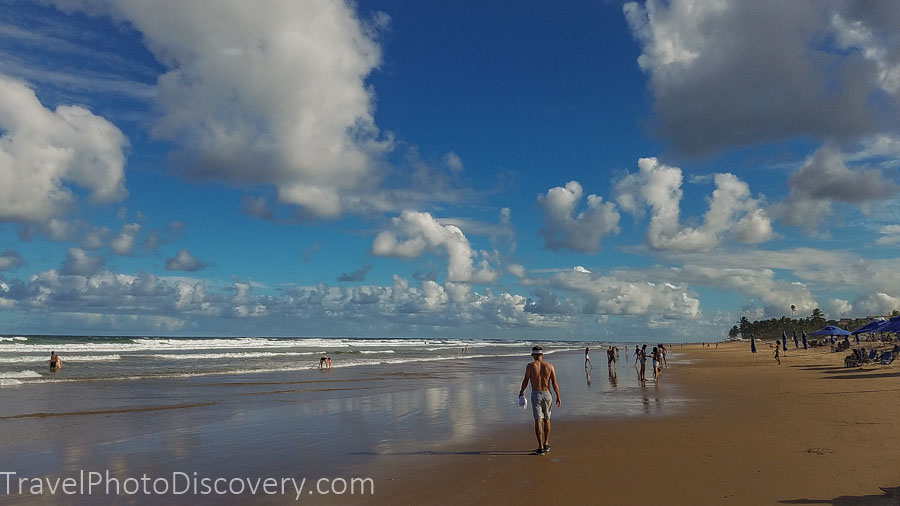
(541, 375)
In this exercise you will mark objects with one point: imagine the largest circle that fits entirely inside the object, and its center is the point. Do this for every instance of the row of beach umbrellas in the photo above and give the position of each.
(892, 325)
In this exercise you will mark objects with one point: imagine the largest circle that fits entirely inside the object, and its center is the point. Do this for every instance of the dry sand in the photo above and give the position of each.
(806, 432)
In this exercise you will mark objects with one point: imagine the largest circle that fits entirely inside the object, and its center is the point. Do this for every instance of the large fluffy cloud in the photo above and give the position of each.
(730, 72)
(584, 232)
(731, 210)
(273, 95)
(43, 152)
(414, 233)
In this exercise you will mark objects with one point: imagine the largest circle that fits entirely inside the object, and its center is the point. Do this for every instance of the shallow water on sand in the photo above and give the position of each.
(301, 423)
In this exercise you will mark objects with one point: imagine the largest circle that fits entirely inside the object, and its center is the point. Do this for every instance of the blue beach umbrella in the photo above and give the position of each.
(892, 325)
(831, 330)
(872, 326)
(796, 344)
(752, 344)
(805, 347)
(783, 341)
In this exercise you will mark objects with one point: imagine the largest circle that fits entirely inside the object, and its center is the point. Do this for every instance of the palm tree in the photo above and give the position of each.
(793, 308)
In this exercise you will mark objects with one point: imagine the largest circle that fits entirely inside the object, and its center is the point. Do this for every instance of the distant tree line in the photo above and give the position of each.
(771, 328)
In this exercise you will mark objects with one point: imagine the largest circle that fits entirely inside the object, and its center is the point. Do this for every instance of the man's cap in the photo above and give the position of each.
(537, 350)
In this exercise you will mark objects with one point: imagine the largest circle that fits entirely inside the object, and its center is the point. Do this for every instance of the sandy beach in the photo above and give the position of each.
(806, 432)
(723, 426)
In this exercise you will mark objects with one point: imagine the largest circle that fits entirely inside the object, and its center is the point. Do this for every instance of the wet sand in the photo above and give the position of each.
(306, 423)
(806, 432)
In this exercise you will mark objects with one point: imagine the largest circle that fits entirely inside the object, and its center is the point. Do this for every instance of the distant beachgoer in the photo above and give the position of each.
(637, 354)
(466, 350)
(777, 352)
(611, 358)
(663, 351)
(541, 375)
(642, 356)
(55, 361)
(587, 359)
(323, 362)
(657, 358)
(328, 361)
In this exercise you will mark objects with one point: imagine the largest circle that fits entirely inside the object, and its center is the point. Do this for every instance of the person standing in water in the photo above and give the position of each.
(541, 375)
(657, 357)
(642, 356)
(587, 359)
(55, 361)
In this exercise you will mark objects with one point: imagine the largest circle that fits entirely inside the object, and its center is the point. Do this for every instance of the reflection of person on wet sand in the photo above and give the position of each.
(55, 361)
(613, 378)
(587, 374)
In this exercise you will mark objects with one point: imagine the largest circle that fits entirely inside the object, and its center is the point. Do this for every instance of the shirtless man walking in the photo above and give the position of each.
(541, 375)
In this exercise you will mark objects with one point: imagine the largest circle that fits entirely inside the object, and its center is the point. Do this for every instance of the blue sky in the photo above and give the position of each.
(609, 170)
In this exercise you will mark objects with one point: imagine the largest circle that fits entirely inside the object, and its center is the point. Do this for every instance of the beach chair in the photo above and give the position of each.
(886, 358)
(872, 355)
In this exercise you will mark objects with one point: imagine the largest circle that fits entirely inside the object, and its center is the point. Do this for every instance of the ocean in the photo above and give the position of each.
(24, 359)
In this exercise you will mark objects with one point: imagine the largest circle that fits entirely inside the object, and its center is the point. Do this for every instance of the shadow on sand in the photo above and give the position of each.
(891, 496)
(870, 374)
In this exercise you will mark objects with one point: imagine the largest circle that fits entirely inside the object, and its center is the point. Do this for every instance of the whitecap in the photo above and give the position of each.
(19, 374)
(67, 358)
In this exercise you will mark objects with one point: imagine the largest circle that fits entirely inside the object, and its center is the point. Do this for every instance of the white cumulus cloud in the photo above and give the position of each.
(824, 178)
(184, 261)
(272, 94)
(413, 233)
(43, 152)
(732, 210)
(582, 232)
